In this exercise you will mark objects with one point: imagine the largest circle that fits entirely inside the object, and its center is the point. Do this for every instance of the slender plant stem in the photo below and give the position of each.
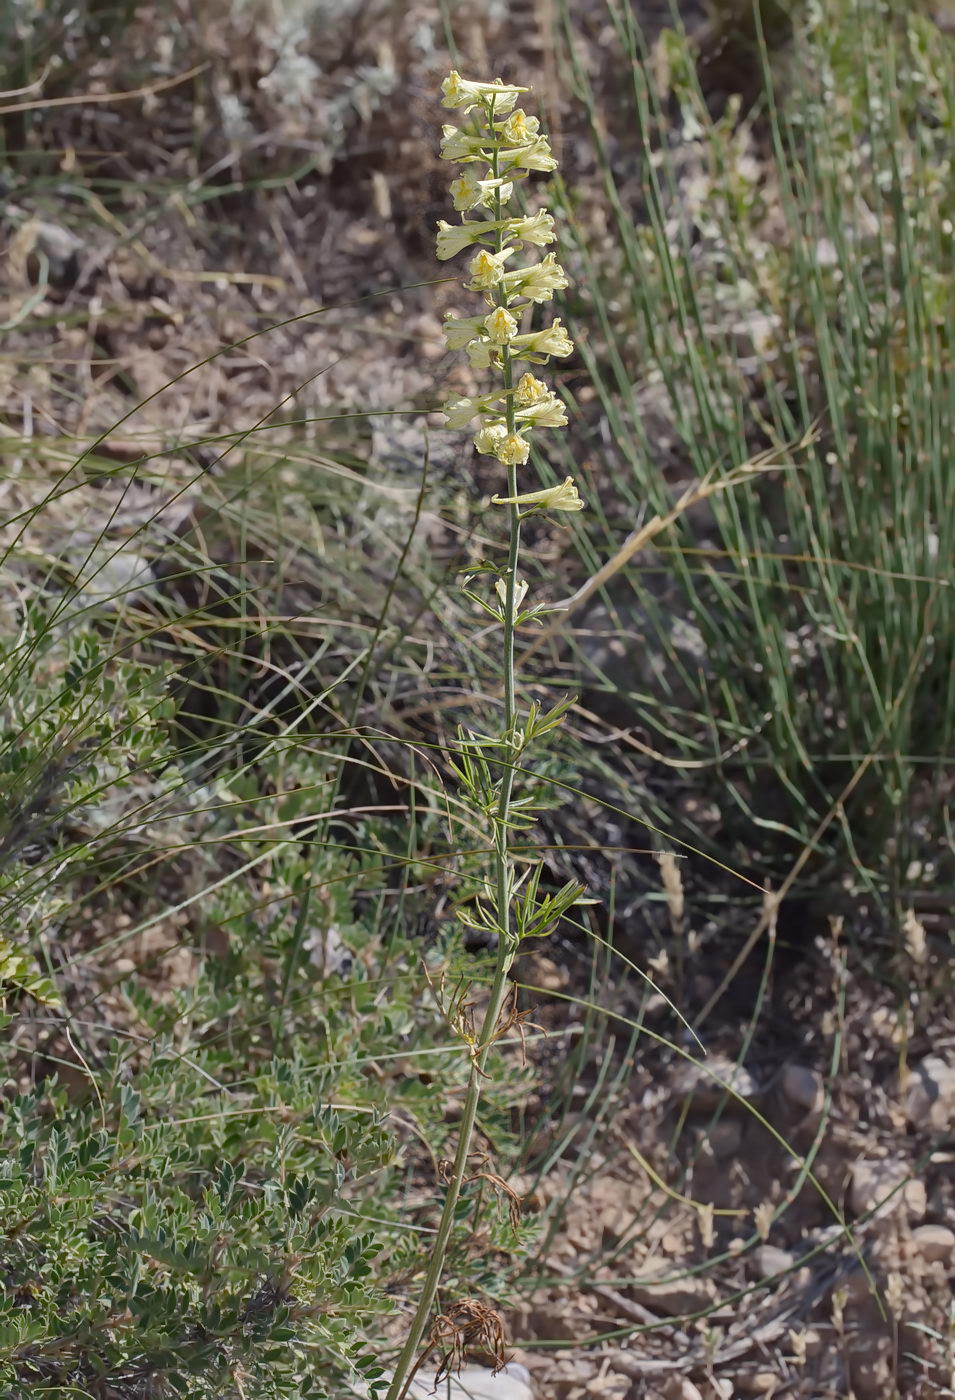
(499, 985)
(503, 883)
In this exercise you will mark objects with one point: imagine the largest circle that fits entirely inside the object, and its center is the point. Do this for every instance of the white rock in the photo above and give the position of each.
(930, 1094)
(771, 1261)
(115, 577)
(934, 1242)
(674, 1296)
(756, 334)
(715, 1080)
(681, 1388)
(759, 1382)
(475, 1383)
(884, 1185)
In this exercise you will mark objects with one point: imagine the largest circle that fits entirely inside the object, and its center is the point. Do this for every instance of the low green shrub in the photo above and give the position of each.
(221, 1052)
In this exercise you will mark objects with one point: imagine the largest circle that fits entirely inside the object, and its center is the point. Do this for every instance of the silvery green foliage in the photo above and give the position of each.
(82, 744)
(148, 1256)
(217, 1209)
(286, 76)
(291, 88)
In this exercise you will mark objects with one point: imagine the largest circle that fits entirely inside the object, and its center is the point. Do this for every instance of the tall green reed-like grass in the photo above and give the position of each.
(768, 277)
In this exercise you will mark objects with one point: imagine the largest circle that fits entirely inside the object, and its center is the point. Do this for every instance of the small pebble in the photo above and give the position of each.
(883, 1185)
(725, 1138)
(770, 1260)
(930, 1094)
(802, 1087)
(681, 1388)
(935, 1243)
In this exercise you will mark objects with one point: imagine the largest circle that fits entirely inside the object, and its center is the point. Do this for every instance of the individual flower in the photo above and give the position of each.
(458, 145)
(538, 283)
(519, 128)
(549, 413)
(487, 269)
(459, 331)
(562, 497)
(535, 228)
(536, 155)
(500, 326)
(458, 92)
(460, 412)
(469, 192)
(489, 438)
(530, 390)
(513, 450)
(535, 405)
(553, 340)
(494, 440)
(480, 353)
(453, 238)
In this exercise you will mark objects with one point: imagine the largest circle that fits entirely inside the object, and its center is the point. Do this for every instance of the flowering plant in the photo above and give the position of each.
(501, 147)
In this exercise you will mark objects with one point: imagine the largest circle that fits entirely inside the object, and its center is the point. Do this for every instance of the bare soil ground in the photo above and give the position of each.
(699, 1250)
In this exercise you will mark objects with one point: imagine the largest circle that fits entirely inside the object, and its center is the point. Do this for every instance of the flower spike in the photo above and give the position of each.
(500, 145)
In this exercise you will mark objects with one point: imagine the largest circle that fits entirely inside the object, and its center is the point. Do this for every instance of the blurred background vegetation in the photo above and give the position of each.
(233, 653)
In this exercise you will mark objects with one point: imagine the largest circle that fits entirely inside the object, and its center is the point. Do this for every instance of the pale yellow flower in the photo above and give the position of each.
(468, 192)
(520, 591)
(538, 283)
(549, 413)
(513, 451)
(459, 92)
(535, 228)
(454, 238)
(489, 438)
(480, 353)
(459, 412)
(538, 406)
(530, 390)
(487, 269)
(519, 129)
(536, 155)
(459, 145)
(459, 331)
(562, 497)
(553, 340)
(500, 326)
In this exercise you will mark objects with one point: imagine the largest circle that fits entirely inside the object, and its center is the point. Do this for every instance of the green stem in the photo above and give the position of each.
(404, 1370)
(499, 984)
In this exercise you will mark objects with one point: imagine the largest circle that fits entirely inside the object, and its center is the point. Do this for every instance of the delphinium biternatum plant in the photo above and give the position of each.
(500, 145)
